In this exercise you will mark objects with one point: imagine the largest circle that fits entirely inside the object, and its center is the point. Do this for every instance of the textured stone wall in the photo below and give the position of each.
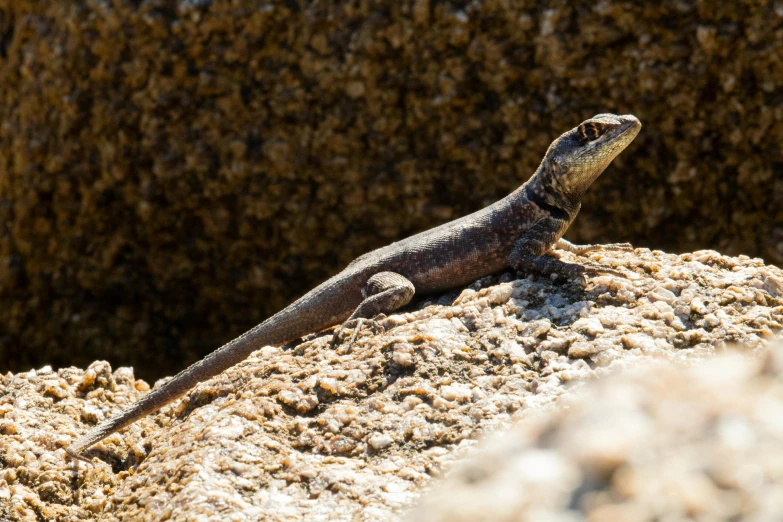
(172, 173)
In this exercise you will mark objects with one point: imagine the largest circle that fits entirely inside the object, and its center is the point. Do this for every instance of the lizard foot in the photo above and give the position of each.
(615, 246)
(558, 270)
(357, 325)
(579, 250)
(77, 457)
(593, 270)
(574, 271)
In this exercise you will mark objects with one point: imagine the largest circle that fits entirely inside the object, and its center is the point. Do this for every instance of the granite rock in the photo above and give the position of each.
(358, 431)
(171, 173)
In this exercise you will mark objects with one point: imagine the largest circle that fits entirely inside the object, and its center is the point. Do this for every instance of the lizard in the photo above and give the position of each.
(517, 232)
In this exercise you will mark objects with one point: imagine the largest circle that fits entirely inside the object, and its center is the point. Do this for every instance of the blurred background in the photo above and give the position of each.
(172, 173)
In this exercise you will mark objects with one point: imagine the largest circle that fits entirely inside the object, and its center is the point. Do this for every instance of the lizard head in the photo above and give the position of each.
(579, 156)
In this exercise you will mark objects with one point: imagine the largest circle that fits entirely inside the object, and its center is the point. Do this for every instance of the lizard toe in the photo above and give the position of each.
(593, 270)
(618, 246)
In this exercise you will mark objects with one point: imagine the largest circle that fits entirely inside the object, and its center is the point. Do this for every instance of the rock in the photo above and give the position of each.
(312, 432)
(175, 172)
(653, 443)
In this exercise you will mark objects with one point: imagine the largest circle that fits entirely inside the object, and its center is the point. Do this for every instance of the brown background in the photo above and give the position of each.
(170, 176)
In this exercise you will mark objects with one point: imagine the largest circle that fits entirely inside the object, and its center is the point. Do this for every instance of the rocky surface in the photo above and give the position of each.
(660, 442)
(173, 172)
(310, 432)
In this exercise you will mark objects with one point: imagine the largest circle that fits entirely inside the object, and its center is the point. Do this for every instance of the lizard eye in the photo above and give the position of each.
(590, 131)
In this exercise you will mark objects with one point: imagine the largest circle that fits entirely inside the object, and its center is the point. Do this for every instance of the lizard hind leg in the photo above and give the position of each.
(384, 292)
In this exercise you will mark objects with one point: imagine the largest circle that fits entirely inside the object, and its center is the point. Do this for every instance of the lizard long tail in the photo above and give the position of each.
(321, 308)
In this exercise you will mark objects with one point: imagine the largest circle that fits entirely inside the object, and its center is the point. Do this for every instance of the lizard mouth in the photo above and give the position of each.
(627, 130)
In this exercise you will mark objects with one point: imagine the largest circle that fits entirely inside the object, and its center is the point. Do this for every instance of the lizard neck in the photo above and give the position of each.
(542, 191)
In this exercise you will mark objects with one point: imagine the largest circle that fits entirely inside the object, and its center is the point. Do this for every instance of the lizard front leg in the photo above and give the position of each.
(528, 255)
(383, 293)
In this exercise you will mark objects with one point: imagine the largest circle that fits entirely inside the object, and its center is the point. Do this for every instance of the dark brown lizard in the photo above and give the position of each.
(516, 232)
